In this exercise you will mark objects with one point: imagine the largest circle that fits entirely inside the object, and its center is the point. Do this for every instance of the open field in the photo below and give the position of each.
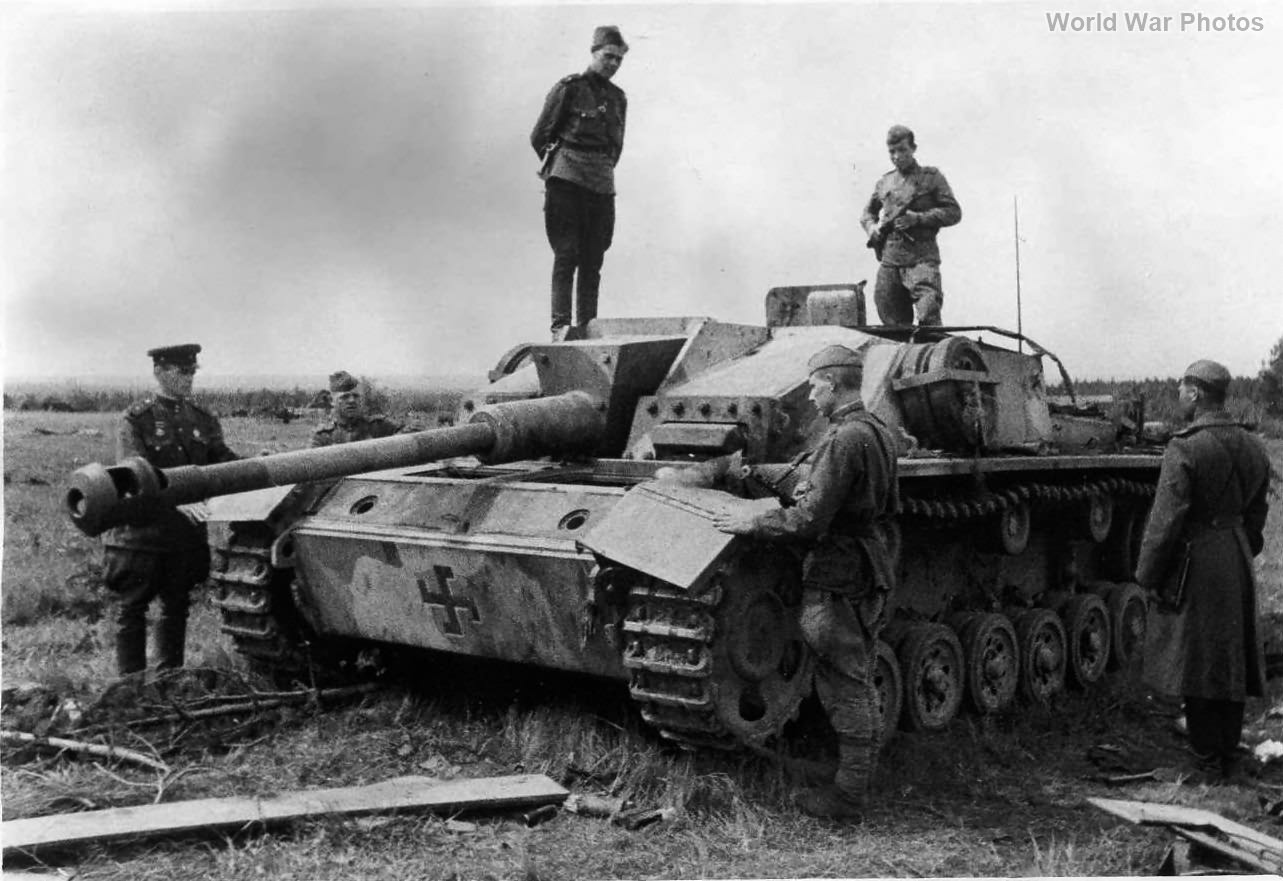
(995, 796)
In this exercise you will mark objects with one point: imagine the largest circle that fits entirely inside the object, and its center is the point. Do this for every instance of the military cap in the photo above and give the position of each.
(342, 381)
(183, 355)
(608, 35)
(899, 133)
(1208, 373)
(834, 356)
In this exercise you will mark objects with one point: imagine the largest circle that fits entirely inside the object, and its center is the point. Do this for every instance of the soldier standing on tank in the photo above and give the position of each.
(579, 136)
(348, 420)
(909, 205)
(847, 508)
(168, 557)
(1206, 525)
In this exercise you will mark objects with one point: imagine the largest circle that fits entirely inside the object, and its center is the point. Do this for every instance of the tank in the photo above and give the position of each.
(542, 528)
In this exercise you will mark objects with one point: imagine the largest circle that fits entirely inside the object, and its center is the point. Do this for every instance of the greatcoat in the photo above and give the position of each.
(1211, 500)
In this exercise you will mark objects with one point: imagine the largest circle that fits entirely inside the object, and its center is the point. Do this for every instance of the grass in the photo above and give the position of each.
(991, 796)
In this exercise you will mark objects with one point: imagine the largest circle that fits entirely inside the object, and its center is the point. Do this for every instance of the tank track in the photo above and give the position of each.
(966, 506)
(248, 596)
(668, 637)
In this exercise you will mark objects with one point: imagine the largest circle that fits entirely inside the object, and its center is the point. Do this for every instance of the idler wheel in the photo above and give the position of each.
(1128, 610)
(888, 684)
(992, 657)
(1043, 654)
(1088, 637)
(931, 662)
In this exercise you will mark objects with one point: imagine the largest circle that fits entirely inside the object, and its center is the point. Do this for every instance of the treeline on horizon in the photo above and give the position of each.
(265, 402)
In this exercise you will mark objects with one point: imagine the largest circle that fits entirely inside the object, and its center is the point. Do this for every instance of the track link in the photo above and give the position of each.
(250, 593)
(668, 652)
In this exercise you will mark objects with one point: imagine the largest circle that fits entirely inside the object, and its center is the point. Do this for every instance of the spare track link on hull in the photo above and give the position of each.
(246, 582)
(984, 503)
(668, 637)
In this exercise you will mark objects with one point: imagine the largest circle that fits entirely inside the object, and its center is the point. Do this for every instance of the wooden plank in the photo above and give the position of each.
(1268, 862)
(400, 794)
(1144, 813)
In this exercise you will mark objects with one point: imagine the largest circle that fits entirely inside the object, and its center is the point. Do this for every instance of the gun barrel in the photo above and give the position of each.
(100, 497)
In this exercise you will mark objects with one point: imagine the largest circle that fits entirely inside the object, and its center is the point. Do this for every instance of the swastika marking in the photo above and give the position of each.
(447, 601)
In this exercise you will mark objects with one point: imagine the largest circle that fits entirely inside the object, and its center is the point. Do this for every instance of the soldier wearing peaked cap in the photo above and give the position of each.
(579, 137)
(846, 508)
(348, 420)
(164, 559)
(1206, 524)
(909, 205)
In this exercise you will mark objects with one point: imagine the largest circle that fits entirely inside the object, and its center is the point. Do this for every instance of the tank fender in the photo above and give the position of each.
(665, 530)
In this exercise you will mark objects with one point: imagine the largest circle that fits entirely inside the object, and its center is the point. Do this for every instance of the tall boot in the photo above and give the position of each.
(131, 649)
(171, 637)
(131, 638)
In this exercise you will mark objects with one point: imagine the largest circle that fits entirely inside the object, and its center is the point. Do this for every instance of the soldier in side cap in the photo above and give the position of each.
(579, 136)
(847, 508)
(168, 557)
(1205, 526)
(348, 420)
(909, 205)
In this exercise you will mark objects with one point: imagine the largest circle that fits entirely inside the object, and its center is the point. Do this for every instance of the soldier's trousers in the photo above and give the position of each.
(843, 633)
(138, 577)
(900, 291)
(580, 225)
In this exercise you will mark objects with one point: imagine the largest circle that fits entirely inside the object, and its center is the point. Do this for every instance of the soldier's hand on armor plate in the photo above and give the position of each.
(737, 520)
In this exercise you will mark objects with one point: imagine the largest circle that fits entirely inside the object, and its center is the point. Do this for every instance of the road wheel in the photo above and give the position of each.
(889, 687)
(1043, 654)
(992, 658)
(931, 663)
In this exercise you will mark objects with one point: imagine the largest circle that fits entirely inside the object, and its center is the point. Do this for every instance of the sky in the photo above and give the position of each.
(308, 187)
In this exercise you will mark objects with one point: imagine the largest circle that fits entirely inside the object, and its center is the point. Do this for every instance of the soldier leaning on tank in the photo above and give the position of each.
(1206, 525)
(348, 420)
(847, 508)
(170, 556)
(909, 205)
(579, 136)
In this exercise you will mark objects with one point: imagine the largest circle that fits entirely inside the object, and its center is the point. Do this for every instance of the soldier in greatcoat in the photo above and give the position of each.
(348, 419)
(846, 510)
(168, 557)
(1206, 524)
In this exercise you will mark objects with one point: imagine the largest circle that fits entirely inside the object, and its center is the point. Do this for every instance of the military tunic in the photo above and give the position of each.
(909, 274)
(847, 507)
(166, 558)
(580, 136)
(358, 429)
(1212, 495)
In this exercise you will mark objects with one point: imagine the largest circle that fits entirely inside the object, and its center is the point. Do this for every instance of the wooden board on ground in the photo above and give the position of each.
(399, 794)
(1240, 842)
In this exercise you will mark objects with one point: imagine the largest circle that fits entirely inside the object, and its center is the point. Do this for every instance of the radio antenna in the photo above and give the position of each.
(1020, 345)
